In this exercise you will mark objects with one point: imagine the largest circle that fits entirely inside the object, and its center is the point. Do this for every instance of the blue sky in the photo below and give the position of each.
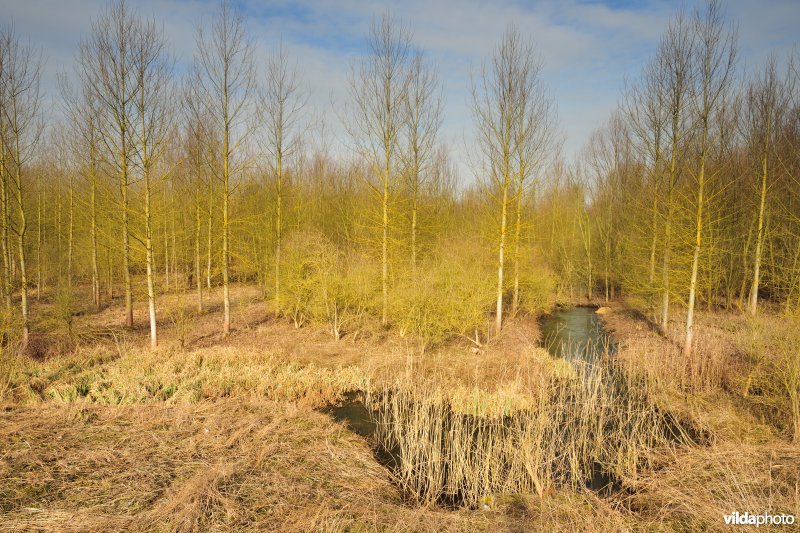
(588, 48)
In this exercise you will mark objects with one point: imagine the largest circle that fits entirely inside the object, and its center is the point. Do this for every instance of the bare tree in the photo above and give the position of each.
(714, 57)
(22, 128)
(423, 108)
(378, 89)
(609, 151)
(197, 138)
(647, 113)
(767, 98)
(675, 53)
(107, 68)
(533, 137)
(153, 105)
(227, 88)
(513, 119)
(82, 109)
(5, 165)
(283, 103)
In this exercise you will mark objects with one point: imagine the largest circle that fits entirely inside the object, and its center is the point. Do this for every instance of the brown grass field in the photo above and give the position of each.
(98, 433)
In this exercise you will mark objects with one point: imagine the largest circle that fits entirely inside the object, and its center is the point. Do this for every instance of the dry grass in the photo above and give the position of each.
(742, 380)
(133, 375)
(226, 465)
(100, 433)
(660, 360)
(696, 487)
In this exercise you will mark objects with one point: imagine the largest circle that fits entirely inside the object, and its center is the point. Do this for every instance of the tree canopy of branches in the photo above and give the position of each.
(149, 179)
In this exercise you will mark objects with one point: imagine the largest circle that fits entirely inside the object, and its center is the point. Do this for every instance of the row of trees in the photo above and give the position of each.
(155, 182)
(20, 136)
(694, 180)
(206, 178)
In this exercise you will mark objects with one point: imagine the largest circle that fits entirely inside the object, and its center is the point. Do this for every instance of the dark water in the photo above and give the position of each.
(575, 333)
(361, 421)
(355, 415)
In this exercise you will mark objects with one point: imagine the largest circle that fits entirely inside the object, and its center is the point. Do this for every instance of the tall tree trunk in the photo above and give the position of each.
(687, 347)
(226, 296)
(210, 230)
(197, 229)
(278, 225)
(151, 294)
(385, 249)
(70, 231)
(39, 245)
(517, 236)
(503, 223)
(146, 149)
(8, 281)
(22, 226)
(126, 238)
(753, 302)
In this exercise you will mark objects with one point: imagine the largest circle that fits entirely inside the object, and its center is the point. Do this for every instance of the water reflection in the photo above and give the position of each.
(575, 333)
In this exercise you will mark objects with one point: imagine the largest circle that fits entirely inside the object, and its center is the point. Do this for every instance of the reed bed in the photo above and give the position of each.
(571, 432)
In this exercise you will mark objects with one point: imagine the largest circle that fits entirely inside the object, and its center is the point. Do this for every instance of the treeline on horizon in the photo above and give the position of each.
(154, 182)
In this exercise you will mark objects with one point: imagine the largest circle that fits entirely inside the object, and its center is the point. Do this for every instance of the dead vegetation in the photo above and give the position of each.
(559, 432)
(224, 465)
(742, 379)
(223, 434)
(695, 487)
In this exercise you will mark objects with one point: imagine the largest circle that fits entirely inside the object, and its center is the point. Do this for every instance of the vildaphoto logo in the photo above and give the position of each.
(746, 519)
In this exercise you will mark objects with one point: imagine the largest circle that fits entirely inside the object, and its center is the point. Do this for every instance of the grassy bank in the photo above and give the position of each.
(207, 433)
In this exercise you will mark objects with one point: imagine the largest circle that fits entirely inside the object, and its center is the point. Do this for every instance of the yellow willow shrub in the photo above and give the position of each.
(448, 294)
(322, 284)
(537, 287)
(567, 431)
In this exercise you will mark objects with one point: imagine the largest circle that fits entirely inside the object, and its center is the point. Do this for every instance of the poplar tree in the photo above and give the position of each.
(20, 113)
(227, 90)
(378, 88)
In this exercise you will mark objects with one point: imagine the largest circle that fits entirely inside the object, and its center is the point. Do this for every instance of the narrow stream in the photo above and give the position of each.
(575, 333)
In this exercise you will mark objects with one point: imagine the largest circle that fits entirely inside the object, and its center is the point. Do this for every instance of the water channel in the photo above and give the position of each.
(575, 333)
